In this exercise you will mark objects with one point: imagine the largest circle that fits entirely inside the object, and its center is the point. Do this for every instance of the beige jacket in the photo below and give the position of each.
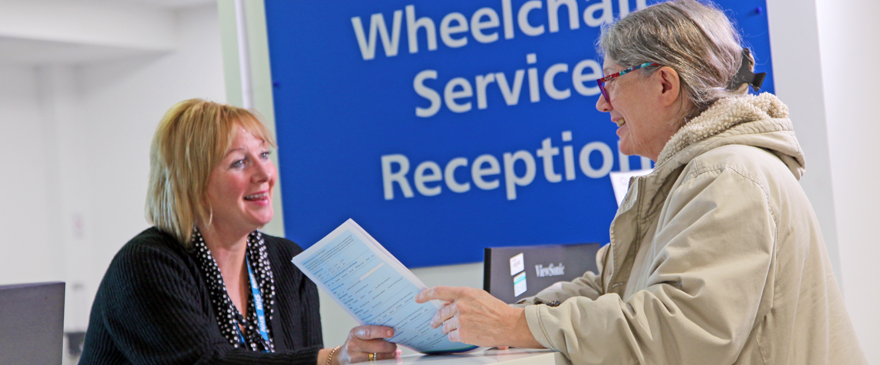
(715, 258)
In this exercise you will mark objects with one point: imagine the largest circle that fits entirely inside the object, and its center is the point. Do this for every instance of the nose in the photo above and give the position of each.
(263, 171)
(603, 105)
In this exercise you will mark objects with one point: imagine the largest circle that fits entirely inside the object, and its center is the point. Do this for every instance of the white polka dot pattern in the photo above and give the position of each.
(226, 314)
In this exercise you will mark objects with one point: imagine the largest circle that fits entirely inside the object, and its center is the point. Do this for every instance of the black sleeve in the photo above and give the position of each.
(153, 311)
(299, 324)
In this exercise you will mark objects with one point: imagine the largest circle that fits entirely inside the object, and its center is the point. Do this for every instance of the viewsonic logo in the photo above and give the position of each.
(551, 270)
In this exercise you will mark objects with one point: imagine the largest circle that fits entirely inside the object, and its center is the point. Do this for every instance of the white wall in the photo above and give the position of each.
(791, 20)
(122, 102)
(26, 234)
(822, 52)
(847, 31)
(76, 139)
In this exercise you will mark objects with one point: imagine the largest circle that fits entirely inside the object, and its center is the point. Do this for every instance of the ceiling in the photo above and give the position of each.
(50, 43)
(171, 4)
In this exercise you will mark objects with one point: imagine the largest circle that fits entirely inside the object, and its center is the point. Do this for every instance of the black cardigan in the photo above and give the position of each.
(154, 307)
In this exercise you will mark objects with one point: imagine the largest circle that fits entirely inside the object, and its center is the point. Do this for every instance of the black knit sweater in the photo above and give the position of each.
(154, 307)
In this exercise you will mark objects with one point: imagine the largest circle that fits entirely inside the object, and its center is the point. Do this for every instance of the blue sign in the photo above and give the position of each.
(443, 127)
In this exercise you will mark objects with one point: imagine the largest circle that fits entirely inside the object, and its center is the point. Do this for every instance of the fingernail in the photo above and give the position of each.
(389, 333)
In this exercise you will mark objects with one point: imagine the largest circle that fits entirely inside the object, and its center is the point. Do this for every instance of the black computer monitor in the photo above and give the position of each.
(513, 273)
(31, 323)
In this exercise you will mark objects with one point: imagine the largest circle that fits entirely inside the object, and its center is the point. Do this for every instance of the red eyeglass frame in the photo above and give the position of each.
(601, 82)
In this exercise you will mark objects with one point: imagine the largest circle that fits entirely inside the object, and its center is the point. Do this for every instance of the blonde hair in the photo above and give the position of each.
(190, 141)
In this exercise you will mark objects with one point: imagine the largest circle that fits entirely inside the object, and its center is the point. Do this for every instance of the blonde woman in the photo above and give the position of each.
(204, 285)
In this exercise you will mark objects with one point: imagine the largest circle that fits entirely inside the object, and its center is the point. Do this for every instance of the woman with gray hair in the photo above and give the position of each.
(716, 257)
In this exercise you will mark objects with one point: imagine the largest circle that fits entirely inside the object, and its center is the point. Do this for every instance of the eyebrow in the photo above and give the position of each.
(231, 150)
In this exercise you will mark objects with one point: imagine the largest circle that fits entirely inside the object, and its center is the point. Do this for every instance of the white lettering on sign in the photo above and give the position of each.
(518, 169)
(459, 92)
(484, 25)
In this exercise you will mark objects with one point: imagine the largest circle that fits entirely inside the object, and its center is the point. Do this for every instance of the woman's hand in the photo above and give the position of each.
(474, 316)
(363, 341)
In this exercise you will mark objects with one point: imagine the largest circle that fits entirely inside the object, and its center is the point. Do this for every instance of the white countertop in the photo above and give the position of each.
(484, 355)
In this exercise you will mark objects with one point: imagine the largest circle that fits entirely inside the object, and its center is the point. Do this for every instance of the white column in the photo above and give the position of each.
(68, 189)
(797, 74)
(852, 90)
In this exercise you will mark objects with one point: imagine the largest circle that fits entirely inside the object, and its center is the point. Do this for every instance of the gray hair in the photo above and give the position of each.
(696, 40)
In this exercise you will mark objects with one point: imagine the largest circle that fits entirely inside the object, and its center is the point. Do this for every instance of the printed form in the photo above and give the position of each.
(374, 287)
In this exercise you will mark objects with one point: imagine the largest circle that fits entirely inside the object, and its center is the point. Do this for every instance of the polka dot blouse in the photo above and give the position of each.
(226, 314)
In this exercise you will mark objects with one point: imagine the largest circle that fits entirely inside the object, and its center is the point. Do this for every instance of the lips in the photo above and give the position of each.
(258, 196)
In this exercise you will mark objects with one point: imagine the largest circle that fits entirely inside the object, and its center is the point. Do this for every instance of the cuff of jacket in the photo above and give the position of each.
(536, 325)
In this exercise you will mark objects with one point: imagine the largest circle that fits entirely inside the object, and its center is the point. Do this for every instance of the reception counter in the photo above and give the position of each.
(484, 355)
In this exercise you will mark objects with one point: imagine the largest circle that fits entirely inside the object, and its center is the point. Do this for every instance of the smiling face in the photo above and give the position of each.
(640, 105)
(240, 187)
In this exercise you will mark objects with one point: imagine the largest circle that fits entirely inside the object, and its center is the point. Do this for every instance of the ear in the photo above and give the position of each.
(670, 85)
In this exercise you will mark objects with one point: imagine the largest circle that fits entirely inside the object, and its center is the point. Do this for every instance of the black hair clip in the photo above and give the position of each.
(745, 74)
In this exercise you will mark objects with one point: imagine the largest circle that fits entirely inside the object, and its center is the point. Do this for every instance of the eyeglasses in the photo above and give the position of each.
(613, 76)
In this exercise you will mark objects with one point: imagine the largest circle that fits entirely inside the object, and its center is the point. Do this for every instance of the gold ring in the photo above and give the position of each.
(372, 356)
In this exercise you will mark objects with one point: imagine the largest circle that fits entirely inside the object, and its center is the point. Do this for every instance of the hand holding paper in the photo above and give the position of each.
(374, 287)
(364, 340)
(475, 316)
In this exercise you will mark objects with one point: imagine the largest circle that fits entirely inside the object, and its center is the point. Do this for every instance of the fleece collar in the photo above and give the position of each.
(754, 120)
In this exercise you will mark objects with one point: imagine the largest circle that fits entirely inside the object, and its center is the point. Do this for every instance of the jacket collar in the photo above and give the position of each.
(756, 120)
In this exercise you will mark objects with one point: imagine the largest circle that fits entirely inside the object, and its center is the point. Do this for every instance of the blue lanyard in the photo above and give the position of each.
(258, 305)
